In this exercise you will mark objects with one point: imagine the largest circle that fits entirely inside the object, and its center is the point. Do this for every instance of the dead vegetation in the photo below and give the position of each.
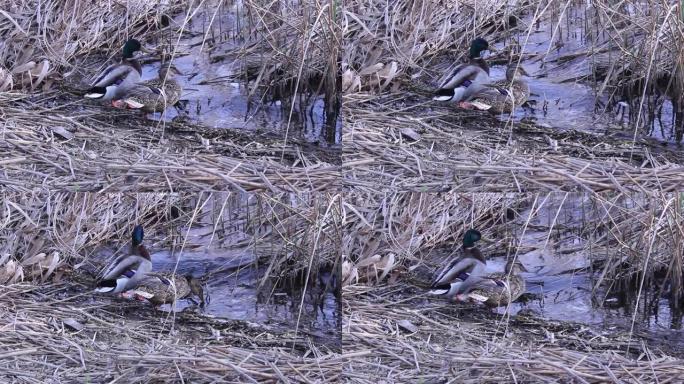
(399, 338)
(44, 233)
(52, 137)
(397, 139)
(394, 242)
(75, 338)
(49, 258)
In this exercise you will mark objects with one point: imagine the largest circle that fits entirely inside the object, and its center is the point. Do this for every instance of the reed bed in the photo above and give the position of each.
(399, 338)
(629, 236)
(389, 147)
(52, 139)
(395, 242)
(51, 251)
(86, 150)
(396, 139)
(51, 335)
(42, 38)
(383, 232)
(47, 234)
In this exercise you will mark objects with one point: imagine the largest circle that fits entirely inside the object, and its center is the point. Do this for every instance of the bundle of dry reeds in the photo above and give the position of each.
(392, 144)
(293, 49)
(385, 337)
(53, 336)
(43, 233)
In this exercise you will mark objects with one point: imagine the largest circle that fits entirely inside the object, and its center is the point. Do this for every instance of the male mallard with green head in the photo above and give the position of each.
(127, 271)
(468, 79)
(505, 95)
(116, 79)
(499, 289)
(463, 271)
(155, 95)
(167, 287)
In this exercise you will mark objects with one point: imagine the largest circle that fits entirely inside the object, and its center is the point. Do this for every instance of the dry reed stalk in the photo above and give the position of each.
(452, 154)
(403, 340)
(75, 338)
(44, 234)
(89, 151)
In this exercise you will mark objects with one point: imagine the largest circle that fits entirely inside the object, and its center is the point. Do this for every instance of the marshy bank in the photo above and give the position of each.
(603, 301)
(258, 112)
(267, 264)
(603, 113)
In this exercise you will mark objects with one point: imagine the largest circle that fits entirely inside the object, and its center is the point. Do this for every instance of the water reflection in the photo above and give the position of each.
(217, 94)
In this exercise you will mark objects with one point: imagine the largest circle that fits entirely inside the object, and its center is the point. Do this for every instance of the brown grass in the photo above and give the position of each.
(395, 242)
(396, 139)
(390, 334)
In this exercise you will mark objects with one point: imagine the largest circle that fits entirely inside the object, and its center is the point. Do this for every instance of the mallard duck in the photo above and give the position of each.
(165, 287)
(464, 271)
(127, 270)
(505, 95)
(499, 289)
(155, 95)
(116, 79)
(467, 79)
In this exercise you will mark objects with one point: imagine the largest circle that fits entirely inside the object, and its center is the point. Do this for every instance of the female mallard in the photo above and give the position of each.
(115, 80)
(155, 95)
(467, 79)
(505, 95)
(499, 289)
(127, 270)
(166, 287)
(464, 271)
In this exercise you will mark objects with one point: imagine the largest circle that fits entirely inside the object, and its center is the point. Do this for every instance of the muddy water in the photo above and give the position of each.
(563, 88)
(212, 94)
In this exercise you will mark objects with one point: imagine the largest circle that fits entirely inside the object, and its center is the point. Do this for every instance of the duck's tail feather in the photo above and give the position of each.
(444, 94)
(96, 93)
(133, 104)
(439, 289)
(104, 286)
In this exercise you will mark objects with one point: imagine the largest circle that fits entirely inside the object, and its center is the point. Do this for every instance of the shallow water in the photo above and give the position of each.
(235, 294)
(559, 281)
(211, 94)
(562, 88)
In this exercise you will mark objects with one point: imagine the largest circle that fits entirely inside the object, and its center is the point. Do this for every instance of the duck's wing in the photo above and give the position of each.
(116, 74)
(493, 281)
(459, 269)
(148, 92)
(123, 266)
(463, 74)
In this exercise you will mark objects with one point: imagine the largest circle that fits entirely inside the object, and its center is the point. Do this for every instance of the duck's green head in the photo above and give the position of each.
(470, 237)
(131, 47)
(138, 235)
(477, 46)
